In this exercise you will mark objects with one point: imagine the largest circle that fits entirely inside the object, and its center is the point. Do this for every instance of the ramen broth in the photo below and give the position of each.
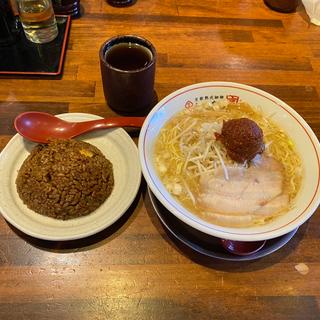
(195, 168)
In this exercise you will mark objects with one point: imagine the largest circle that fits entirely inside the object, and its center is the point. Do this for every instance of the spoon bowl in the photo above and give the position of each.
(41, 126)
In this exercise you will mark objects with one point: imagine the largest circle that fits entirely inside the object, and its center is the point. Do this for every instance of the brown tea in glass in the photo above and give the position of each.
(128, 56)
(128, 64)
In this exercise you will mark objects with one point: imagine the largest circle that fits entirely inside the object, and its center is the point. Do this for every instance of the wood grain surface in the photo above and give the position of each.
(135, 269)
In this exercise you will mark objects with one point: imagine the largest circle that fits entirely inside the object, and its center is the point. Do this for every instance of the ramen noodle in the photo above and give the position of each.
(195, 167)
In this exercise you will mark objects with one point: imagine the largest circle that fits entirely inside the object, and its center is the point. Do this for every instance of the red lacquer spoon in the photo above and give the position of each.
(41, 126)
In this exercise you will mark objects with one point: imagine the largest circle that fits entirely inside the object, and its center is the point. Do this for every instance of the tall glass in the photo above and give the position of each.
(38, 20)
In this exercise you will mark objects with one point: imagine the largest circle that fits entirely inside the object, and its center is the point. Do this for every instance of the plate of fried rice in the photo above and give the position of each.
(72, 189)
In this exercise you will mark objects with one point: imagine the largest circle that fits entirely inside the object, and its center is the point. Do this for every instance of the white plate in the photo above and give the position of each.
(115, 144)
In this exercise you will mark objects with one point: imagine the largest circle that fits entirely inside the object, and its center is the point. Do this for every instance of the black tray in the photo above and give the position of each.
(27, 58)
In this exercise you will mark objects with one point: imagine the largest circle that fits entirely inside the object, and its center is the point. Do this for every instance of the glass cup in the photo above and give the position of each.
(38, 20)
(128, 64)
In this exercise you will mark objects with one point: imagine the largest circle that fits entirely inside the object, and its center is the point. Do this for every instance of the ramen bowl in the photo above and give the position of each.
(299, 132)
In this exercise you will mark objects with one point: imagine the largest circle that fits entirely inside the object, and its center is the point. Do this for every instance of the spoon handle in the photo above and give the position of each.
(111, 122)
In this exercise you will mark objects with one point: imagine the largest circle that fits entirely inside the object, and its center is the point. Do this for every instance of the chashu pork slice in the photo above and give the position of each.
(255, 190)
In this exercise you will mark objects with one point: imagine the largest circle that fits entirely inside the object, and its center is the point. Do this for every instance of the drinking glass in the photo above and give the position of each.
(128, 65)
(38, 20)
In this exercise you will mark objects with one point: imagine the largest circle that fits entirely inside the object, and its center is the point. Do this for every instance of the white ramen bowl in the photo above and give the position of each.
(306, 142)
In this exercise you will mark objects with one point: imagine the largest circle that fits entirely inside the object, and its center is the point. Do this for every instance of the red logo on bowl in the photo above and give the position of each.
(188, 104)
(232, 99)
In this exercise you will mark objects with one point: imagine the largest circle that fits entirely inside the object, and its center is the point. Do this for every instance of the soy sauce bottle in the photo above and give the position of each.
(68, 7)
(285, 6)
(9, 23)
(121, 3)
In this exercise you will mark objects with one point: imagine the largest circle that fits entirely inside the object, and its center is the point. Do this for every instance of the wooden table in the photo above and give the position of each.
(135, 270)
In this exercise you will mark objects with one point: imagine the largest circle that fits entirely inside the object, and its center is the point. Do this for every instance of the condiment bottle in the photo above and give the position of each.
(9, 22)
(121, 3)
(285, 6)
(68, 7)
